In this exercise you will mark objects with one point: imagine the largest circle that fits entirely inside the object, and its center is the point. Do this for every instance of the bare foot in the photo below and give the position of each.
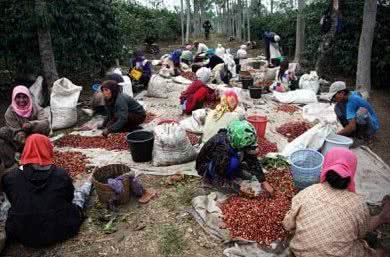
(147, 196)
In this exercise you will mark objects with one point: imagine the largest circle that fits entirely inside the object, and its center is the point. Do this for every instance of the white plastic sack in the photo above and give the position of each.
(158, 87)
(229, 61)
(314, 138)
(195, 123)
(310, 81)
(270, 73)
(220, 51)
(171, 145)
(300, 96)
(127, 86)
(63, 103)
(165, 72)
(319, 111)
(181, 80)
(36, 91)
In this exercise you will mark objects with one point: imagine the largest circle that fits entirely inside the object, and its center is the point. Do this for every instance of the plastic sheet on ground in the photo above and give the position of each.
(372, 176)
(209, 216)
(101, 157)
(314, 138)
(249, 249)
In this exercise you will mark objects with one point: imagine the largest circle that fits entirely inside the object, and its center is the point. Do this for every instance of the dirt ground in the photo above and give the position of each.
(162, 227)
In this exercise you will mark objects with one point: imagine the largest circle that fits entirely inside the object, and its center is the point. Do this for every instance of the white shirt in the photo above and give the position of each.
(202, 48)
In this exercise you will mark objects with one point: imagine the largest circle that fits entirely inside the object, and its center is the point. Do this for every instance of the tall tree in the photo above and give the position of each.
(300, 33)
(182, 21)
(188, 25)
(326, 44)
(45, 44)
(248, 19)
(363, 74)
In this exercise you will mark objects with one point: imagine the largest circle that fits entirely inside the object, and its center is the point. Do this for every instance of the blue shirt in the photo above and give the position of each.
(355, 101)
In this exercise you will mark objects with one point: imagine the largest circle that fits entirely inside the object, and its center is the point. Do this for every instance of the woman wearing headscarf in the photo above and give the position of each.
(186, 55)
(141, 64)
(231, 155)
(242, 53)
(45, 208)
(330, 218)
(197, 93)
(123, 112)
(219, 71)
(23, 117)
(222, 116)
(283, 78)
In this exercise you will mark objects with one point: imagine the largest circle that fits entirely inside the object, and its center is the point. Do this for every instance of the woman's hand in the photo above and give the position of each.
(26, 126)
(20, 137)
(385, 214)
(268, 188)
(105, 133)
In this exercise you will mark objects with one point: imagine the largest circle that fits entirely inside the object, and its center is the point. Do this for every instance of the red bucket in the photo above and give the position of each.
(260, 124)
(167, 121)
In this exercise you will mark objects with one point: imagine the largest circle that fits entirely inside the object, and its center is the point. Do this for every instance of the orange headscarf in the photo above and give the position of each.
(37, 150)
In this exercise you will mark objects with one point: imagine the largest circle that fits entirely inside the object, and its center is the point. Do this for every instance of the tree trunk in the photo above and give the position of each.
(195, 18)
(272, 6)
(363, 74)
(188, 9)
(45, 46)
(248, 15)
(326, 44)
(182, 21)
(300, 34)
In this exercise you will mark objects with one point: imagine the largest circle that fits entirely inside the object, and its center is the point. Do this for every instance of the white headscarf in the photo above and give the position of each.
(203, 74)
(220, 51)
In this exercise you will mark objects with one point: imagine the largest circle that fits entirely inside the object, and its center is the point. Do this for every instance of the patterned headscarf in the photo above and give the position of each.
(229, 102)
(241, 134)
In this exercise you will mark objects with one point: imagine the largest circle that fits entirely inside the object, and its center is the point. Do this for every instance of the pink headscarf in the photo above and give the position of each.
(342, 161)
(26, 111)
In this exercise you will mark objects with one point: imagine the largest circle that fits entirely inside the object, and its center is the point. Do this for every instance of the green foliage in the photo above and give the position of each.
(342, 60)
(138, 23)
(282, 23)
(84, 34)
(87, 36)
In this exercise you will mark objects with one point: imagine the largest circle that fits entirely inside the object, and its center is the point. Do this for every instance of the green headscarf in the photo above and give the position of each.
(241, 134)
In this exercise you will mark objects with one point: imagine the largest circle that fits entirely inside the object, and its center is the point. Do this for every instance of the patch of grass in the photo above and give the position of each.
(171, 241)
(180, 195)
(185, 194)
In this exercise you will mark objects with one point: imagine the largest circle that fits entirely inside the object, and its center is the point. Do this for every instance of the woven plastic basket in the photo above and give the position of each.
(103, 190)
(306, 167)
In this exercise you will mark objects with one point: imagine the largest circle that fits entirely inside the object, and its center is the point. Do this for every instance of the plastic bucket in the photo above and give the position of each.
(306, 167)
(140, 145)
(260, 124)
(334, 140)
(247, 83)
(255, 92)
(167, 121)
